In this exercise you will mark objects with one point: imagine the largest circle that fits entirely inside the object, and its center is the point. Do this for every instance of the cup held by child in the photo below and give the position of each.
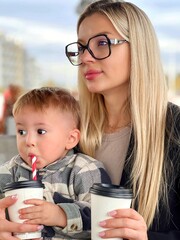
(24, 190)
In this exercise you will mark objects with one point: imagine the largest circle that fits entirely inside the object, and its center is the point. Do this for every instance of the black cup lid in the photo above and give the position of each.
(23, 184)
(110, 190)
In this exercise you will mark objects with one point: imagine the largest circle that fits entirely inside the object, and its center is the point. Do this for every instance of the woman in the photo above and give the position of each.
(127, 122)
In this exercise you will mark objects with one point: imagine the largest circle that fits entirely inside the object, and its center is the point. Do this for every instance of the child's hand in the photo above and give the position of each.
(44, 213)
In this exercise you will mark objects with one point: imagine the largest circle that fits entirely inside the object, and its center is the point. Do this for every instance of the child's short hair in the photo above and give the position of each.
(42, 98)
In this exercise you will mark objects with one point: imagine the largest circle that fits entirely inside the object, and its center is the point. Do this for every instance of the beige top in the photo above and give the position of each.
(113, 152)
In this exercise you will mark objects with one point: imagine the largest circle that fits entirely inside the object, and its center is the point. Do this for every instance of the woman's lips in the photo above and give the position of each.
(91, 75)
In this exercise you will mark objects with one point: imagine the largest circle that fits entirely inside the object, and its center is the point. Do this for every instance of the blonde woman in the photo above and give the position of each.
(127, 122)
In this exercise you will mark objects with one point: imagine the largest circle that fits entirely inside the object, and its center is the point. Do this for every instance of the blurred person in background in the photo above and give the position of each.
(10, 95)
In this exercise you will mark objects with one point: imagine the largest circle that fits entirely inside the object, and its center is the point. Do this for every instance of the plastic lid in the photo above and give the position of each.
(110, 190)
(23, 184)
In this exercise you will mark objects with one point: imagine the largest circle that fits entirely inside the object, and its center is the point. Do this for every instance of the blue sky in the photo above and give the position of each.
(44, 27)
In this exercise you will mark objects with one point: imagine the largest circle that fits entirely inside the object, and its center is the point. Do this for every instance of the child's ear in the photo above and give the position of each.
(73, 139)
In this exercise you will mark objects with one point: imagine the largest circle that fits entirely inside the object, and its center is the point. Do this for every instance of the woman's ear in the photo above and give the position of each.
(73, 139)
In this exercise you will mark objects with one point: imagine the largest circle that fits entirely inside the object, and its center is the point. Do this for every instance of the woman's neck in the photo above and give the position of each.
(118, 114)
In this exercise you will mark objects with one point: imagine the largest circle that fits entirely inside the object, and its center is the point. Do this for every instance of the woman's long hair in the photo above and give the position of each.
(148, 104)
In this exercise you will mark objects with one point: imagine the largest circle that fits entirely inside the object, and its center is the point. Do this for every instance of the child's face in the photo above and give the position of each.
(46, 134)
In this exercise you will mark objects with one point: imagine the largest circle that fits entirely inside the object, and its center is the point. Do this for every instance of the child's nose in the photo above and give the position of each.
(30, 141)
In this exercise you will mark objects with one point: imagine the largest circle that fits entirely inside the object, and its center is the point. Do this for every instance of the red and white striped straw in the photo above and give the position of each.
(34, 170)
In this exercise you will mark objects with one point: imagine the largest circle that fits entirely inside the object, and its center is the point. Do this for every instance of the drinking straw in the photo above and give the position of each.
(34, 171)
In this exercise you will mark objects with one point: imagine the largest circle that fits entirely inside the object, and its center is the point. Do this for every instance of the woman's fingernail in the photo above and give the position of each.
(102, 224)
(14, 196)
(40, 227)
(112, 213)
(101, 234)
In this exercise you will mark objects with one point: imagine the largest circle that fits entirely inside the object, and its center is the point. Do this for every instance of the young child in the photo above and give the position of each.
(47, 123)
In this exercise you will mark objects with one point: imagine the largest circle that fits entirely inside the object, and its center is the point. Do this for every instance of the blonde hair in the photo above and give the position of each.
(42, 98)
(147, 100)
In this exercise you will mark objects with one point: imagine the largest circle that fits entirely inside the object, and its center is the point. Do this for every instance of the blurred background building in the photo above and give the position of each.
(16, 66)
(82, 5)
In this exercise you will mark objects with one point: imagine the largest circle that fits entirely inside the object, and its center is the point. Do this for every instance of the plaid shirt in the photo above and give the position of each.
(67, 182)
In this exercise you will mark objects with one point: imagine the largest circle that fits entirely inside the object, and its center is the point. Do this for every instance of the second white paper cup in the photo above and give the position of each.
(106, 198)
(24, 190)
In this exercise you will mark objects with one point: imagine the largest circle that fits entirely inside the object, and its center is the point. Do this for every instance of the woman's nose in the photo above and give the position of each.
(86, 57)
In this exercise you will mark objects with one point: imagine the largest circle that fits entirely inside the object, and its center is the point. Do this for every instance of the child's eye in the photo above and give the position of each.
(22, 132)
(41, 131)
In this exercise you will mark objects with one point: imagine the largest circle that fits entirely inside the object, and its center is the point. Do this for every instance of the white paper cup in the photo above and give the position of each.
(106, 198)
(24, 190)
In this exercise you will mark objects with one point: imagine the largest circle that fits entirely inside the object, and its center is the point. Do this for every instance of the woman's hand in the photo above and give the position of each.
(125, 223)
(7, 227)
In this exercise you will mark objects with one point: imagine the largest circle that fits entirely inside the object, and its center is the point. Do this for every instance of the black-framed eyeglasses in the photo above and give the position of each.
(98, 46)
